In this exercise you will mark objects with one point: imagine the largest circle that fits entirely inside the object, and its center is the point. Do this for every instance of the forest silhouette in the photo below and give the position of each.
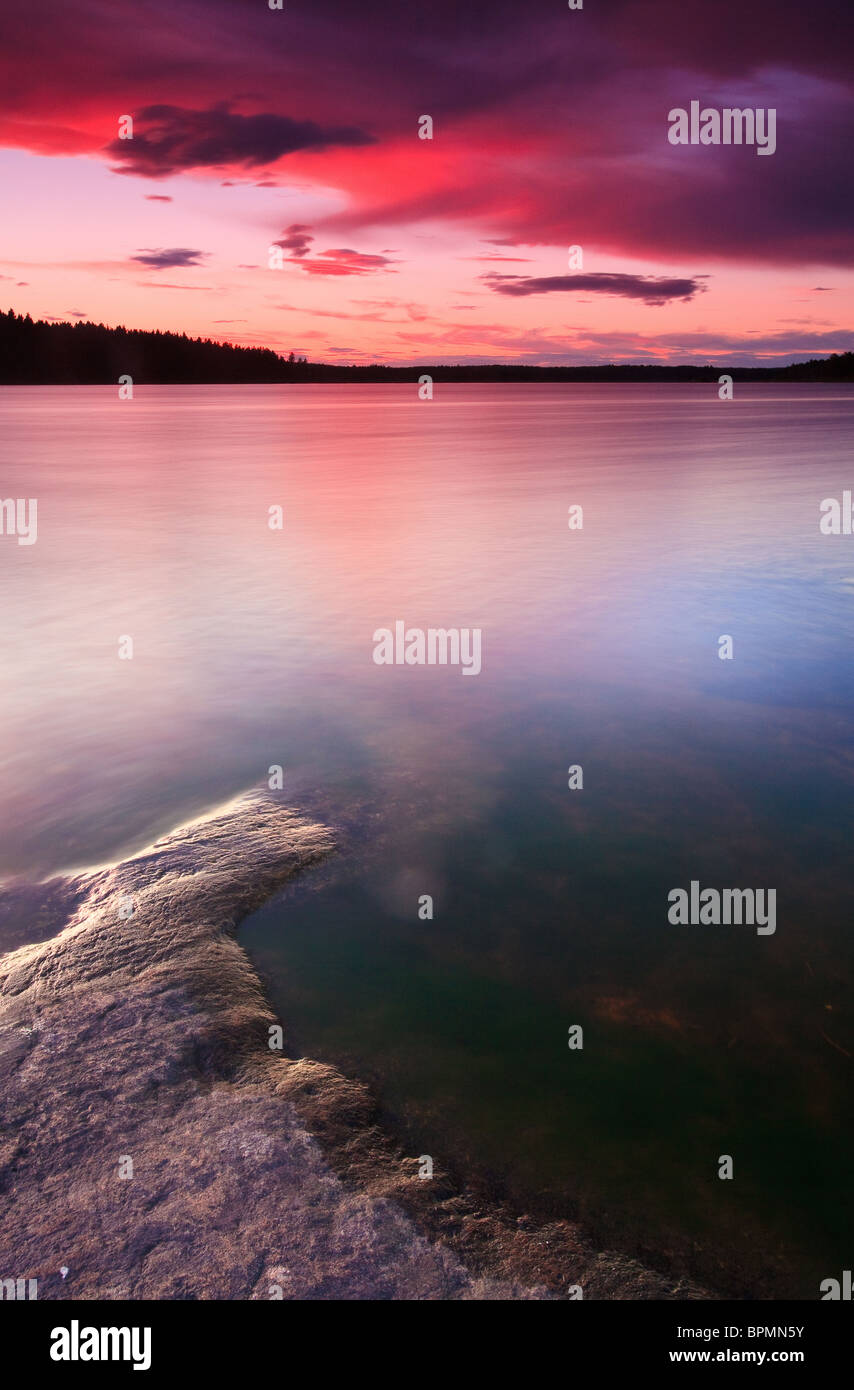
(36, 352)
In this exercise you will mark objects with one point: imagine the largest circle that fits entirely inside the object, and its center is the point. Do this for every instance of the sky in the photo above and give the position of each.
(277, 190)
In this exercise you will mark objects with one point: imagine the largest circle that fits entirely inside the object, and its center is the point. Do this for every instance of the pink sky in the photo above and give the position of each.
(550, 130)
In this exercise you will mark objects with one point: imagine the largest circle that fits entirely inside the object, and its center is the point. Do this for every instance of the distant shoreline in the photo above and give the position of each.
(38, 353)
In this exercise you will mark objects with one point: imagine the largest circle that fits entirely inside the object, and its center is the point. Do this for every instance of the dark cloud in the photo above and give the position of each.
(652, 289)
(168, 259)
(297, 239)
(818, 37)
(158, 198)
(169, 139)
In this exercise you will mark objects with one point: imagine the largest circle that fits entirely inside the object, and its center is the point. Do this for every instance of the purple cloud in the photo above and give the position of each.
(652, 289)
(169, 259)
(170, 139)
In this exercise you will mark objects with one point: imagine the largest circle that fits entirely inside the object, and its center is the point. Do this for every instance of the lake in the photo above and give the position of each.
(253, 649)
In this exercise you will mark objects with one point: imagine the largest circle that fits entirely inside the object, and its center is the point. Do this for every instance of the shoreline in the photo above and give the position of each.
(154, 1146)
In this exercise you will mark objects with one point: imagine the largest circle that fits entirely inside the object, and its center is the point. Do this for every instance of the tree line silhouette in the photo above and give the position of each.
(35, 352)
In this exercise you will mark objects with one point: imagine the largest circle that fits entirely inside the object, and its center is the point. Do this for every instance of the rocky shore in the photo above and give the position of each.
(153, 1146)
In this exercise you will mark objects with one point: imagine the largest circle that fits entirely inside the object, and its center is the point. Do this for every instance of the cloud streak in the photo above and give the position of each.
(168, 259)
(651, 289)
(297, 239)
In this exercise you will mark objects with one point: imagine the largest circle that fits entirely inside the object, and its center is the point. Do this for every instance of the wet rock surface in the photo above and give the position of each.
(153, 1146)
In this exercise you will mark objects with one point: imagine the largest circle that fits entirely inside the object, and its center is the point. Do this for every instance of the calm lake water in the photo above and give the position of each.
(252, 647)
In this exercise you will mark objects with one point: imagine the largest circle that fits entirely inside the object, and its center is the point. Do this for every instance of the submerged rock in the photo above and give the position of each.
(153, 1146)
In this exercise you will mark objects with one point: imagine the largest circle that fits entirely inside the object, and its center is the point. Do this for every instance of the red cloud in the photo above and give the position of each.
(345, 262)
(549, 131)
